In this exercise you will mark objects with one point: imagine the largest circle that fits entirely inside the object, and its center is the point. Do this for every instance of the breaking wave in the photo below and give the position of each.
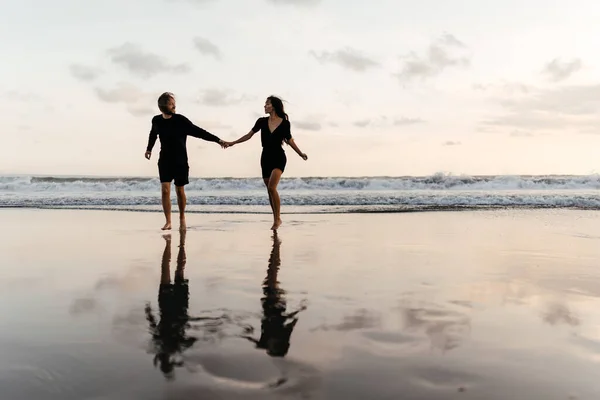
(438, 191)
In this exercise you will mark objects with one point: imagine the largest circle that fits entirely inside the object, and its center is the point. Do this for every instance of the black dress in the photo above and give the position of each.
(273, 155)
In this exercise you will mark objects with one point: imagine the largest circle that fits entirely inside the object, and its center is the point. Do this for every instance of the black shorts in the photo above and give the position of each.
(174, 172)
(270, 160)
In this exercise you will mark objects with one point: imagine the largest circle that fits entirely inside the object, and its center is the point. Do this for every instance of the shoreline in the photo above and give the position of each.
(438, 173)
(375, 209)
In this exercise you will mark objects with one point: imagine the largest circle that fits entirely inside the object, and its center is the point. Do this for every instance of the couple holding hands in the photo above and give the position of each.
(172, 129)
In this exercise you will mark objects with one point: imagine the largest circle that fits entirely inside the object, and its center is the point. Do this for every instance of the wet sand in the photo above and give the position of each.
(439, 305)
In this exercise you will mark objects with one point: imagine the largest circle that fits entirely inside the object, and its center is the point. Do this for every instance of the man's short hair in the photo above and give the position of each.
(163, 100)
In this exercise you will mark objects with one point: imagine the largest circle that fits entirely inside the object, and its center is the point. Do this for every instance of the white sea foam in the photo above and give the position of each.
(433, 182)
(441, 191)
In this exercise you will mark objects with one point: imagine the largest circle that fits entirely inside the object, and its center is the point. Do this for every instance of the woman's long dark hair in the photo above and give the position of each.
(277, 104)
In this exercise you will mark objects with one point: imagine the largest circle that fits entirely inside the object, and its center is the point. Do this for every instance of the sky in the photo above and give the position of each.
(378, 88)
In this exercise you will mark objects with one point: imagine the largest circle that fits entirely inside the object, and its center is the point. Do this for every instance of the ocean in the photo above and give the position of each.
(308, 194)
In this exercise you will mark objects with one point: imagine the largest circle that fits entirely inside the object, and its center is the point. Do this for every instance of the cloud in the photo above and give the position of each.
(527, 120)
(438, 57)
(362, 123)
(568, 100)
(130, 95)
(14, 95)
(557, 70)
(452, 143)
(307, 125)
(504, 87)
(206, 47)
(384, 121)
(347, 58)
(576, 107)
(84, 73)
(407, 121)
(295, 2)
(144, 64)
(137, 111)
(123, 93)
(220, 98)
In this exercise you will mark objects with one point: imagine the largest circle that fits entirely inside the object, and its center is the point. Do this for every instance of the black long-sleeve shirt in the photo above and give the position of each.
(173, 133)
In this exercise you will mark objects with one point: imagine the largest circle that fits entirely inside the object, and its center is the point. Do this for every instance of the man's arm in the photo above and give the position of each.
(198, 132)
(151, 140)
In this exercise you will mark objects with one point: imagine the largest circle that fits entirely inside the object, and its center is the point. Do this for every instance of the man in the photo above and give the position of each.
(173, 130)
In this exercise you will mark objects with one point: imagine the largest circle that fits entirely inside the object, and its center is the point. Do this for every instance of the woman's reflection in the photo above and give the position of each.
(276, 325)
(169, 338)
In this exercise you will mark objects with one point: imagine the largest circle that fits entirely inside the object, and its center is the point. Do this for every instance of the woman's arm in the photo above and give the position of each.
(287, 136)
(247, 136)
(292, 143)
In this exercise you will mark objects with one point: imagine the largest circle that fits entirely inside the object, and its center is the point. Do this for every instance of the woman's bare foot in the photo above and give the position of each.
(276, 224)
(182, 223)
(167, 226)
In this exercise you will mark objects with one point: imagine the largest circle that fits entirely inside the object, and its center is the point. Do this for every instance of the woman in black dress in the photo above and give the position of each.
(275, 129)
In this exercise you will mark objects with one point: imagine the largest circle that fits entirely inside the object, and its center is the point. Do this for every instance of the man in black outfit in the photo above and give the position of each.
(173, 130)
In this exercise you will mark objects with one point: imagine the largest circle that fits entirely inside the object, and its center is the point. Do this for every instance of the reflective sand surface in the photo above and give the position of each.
(463, 305)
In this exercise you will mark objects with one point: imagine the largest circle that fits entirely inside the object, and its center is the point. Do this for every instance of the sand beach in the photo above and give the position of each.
(434, 305)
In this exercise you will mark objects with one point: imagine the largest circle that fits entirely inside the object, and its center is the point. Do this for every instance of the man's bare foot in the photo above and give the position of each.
(167, 227)
(276, 224)
(182, 224)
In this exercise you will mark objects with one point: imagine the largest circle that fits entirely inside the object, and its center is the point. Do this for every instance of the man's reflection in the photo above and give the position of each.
(169, 338)
(276, 325)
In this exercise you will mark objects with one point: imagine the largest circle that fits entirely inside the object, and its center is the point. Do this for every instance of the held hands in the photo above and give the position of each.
(225, 144)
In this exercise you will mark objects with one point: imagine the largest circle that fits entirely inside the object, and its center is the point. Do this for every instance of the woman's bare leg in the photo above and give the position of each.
(274, 197)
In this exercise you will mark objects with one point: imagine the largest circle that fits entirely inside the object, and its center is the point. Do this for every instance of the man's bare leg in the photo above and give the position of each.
(274, 196)
(165, 189)
(181, 202)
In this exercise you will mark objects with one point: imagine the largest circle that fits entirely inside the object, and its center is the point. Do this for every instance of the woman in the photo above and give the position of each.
(275, 129)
